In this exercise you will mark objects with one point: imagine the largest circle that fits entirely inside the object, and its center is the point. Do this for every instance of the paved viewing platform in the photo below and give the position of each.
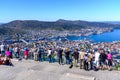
(32, 70)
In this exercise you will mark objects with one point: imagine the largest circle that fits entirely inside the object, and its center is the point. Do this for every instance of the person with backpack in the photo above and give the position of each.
(90, 60)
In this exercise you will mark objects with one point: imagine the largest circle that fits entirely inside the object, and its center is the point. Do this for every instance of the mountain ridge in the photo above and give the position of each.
(61, 23)
(21, 26)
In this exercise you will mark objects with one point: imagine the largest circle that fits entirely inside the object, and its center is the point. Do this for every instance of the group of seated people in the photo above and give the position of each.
(5, 61)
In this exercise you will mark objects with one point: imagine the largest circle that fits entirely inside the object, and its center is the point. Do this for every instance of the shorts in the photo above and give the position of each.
(109, 62)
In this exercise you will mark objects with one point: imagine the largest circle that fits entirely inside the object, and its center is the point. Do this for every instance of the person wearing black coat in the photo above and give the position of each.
(103, 58)
(60, 51)
(75, 57)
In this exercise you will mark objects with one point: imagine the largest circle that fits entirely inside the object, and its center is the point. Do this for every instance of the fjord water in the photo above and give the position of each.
(104, 37)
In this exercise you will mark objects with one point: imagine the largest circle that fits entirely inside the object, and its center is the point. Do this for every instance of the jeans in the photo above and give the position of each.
(91, 65)
(39, 57)
(67, 60)
(17, 54)
(3, 53)
(60, 60)
(50, 58)
(85, 65)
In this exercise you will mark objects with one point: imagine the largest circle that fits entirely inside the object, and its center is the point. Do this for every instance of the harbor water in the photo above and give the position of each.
(104, 37)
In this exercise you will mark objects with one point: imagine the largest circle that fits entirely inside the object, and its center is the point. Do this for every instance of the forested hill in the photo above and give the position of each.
(57, 25)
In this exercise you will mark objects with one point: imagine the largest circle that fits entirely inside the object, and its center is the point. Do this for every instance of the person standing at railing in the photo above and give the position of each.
(81, 57)
(97, 59)
(109, 60)
(35, 54)
(2, 48)
(17, 52)
(67, 56)
(103, 58)
(39, 54)
(60, 51)
(49, 54)
(75, 57)
(7, 52)
(26, 53)
(11, 51)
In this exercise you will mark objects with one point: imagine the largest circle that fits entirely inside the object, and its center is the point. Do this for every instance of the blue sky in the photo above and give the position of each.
(51, 10)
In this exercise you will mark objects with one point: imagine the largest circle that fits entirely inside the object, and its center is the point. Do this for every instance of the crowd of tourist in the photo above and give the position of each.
(83, 54)
(5, 55)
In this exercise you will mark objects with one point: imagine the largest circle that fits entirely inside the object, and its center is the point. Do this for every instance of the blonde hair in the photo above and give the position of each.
(66, 49)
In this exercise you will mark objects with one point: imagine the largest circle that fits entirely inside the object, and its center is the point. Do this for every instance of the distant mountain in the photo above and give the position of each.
(59, 24)
(113, 22)
(86, 23)
(19, 26)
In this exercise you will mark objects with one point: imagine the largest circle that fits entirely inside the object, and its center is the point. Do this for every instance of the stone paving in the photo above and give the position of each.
(32, 70)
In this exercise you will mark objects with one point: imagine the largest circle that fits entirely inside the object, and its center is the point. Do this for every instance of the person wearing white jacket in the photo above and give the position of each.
(50, 55)
(97, 55)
